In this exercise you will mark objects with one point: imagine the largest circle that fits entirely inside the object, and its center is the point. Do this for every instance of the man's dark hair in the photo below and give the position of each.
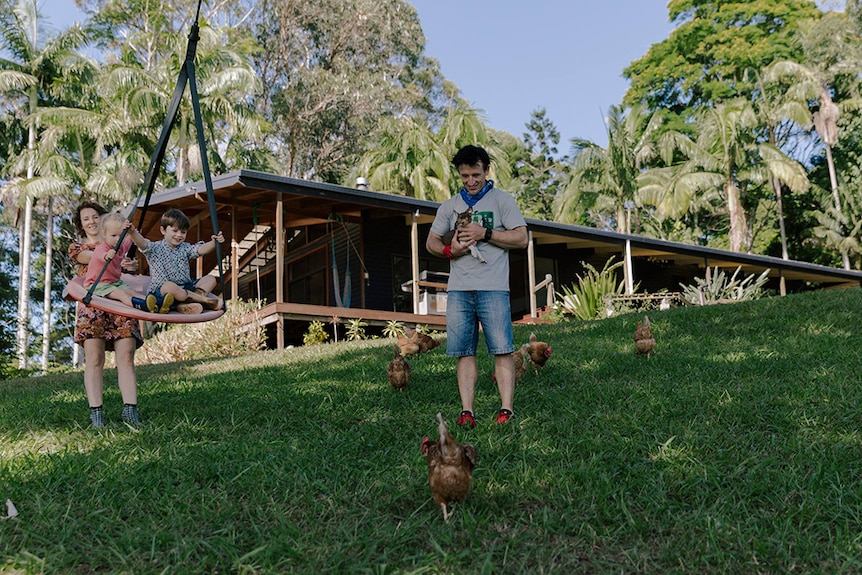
(471, 156)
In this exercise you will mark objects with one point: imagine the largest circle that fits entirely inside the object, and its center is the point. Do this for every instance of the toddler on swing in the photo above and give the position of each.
(170, 280)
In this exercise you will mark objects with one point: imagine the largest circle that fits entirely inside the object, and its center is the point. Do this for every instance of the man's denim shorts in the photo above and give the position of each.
(465, 310)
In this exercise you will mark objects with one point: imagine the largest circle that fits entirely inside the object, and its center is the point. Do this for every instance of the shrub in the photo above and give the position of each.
(393, 328)
(316, 334)
(237, 332)
(718, 288)
(586, 299)
(356, 329)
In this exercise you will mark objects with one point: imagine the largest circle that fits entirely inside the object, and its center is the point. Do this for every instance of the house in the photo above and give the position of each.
(315, 251)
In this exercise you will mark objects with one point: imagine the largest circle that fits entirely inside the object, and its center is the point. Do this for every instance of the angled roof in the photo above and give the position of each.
(247, 198)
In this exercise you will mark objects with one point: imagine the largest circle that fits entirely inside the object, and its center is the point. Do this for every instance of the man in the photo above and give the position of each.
(479, 291)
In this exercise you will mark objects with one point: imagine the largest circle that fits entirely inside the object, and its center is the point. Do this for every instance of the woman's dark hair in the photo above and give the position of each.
(76, 219)
(472, 156)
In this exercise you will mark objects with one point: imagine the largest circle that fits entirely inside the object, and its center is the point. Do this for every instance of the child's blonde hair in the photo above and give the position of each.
(110, 218)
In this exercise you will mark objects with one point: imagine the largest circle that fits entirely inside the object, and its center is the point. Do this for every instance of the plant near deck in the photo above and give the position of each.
(316, 334)
(356, 329)
(586, 299)
(718, 288)
(393, 329)
(237, 332)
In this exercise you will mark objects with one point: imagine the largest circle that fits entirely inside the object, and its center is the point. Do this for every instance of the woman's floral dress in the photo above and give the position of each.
(92, 323)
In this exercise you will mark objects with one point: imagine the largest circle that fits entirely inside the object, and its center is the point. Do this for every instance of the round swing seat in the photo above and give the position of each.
(75, 290)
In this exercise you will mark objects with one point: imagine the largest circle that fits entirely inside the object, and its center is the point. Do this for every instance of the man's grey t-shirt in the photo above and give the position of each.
(497, 210)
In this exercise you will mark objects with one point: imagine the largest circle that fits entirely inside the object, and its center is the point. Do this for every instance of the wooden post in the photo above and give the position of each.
(279, 267)
(234, 257)
(531, 273)
(414, 259)
(628, 272)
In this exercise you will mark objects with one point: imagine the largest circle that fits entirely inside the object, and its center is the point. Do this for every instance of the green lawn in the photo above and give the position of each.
(734, 449)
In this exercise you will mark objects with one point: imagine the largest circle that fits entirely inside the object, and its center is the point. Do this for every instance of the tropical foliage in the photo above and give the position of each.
(586, 299)
(717, 287)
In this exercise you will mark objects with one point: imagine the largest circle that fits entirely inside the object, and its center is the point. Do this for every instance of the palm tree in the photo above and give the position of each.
(727, 157)
(138, 91)
(611, 174)
(27, 78)
(831, 49)
(812, 84)
(409, 159)
(780, 107)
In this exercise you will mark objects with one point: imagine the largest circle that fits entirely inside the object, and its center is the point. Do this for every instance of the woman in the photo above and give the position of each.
(98, 331)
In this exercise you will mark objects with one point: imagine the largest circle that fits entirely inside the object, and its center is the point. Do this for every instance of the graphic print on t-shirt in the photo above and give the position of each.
(484, 219)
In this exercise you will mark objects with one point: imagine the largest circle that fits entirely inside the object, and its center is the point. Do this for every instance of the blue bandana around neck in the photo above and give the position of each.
(473, 200)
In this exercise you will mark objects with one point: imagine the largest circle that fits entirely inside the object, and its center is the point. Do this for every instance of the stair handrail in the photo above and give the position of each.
(549, 283)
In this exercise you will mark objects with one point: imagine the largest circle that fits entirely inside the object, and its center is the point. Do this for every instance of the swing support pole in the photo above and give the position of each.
(186, 76)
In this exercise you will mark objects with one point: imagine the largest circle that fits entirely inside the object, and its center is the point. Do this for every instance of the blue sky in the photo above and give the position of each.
(510, 57)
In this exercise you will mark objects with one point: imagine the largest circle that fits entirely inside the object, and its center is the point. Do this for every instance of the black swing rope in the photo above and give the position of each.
(186, 76)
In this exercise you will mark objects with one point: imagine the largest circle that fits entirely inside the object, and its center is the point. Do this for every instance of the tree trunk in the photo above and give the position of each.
(738, 224)
(833, 181)
(23, 336)
(49, 259)
(826, 124)
(776, 186)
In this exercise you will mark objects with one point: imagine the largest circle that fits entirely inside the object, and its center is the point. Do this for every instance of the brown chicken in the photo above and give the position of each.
(538, 351)
(408, 346)
(416, 342)
(398, 371)
(521, 359)
(535, 352)
(450, 467)
(644, 340)
(426, 342)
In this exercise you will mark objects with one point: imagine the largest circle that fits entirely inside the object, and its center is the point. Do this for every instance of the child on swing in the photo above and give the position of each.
(170, 280)
(110, 285)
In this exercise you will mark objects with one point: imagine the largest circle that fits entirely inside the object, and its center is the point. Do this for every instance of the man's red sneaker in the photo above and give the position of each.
(503, 416)
(466, 419)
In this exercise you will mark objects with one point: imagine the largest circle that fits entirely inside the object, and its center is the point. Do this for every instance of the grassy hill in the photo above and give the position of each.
(734, 449)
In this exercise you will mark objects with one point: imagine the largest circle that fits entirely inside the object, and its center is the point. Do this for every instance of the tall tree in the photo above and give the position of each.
(610, 175)
(137, 91)
(726, 156)
(782, 109)
(28, 78)
(541, 173)
(705, 59)
(832, 50)
(331, 69)
(409, 158)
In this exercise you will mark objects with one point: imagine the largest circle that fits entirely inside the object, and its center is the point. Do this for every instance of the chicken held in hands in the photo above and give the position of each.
(644, 340)
(450, 467)
(398, 371)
